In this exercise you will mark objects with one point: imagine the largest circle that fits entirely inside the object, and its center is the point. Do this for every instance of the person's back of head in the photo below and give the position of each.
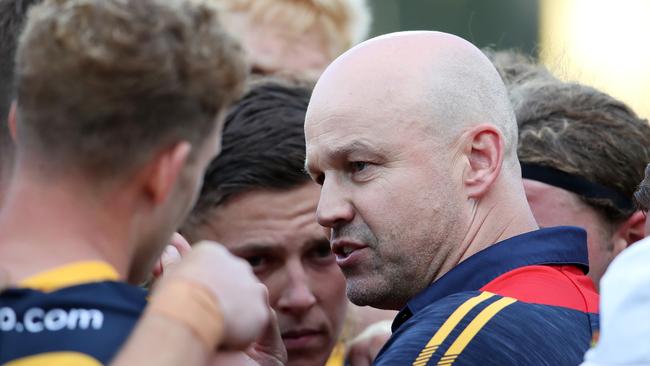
(576, 138)
(289, 36)
(100, 81)
(120, 102)
(13, 14)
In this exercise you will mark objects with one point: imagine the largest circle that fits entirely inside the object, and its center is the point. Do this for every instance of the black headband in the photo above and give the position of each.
(575, 184)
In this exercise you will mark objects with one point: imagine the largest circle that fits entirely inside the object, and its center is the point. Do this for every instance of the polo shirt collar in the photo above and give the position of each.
(562, 245)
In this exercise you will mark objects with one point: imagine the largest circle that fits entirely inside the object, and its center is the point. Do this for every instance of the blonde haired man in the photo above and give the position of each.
(295, 37)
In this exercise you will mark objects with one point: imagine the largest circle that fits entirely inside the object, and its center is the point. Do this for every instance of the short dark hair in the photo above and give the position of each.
(263, 146)
(102, 85)
(581, 131)
(13, 14)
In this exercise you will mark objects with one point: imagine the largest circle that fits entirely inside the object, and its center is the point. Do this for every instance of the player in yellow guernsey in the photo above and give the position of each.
(118, 114)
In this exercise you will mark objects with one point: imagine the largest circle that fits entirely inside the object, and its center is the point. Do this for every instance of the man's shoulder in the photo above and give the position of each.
(484, 328)
(88, 321)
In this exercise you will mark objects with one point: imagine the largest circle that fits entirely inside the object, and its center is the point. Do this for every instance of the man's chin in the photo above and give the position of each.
(313, 358)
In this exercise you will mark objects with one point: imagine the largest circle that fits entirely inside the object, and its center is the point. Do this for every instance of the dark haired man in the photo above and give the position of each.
(119, 106)
(258, 201)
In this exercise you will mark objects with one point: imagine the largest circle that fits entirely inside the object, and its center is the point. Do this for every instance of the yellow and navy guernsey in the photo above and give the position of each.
(523, 301)
(75, 315)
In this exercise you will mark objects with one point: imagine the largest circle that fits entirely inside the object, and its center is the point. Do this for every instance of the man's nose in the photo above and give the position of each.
(297, 296)
(334, 207)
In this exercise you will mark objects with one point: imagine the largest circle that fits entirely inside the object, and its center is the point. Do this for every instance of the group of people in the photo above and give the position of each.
(241, 182)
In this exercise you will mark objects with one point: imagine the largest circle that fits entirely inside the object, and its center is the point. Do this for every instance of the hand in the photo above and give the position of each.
(242, 298)
(269, 350)
(178, 247)
(363, 350)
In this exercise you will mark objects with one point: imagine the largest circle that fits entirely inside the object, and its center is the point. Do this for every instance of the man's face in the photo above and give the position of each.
(553, 206)
(390, 193)
(277, 233)
(271, 48)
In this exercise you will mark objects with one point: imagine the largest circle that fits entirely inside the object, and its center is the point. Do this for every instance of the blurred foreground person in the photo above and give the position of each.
(625, 304)
(258, 201)
(119, 106)
(299, 38)
(582, 154)
(414, 143)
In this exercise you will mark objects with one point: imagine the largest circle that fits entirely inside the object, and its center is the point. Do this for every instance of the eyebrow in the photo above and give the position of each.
(346, 149)
(257, 247)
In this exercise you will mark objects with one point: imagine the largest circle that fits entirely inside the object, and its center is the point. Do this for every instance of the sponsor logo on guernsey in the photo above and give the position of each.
(36, 320)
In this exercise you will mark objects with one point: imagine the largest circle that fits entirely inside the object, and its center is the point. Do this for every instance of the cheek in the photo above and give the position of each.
(275, 282)
(329, 288)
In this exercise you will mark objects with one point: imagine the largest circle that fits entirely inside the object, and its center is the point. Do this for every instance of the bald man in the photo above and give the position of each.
(413, 141)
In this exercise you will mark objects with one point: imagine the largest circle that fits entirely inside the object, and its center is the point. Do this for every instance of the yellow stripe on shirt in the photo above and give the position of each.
(70, 275)
(55, 359)
(448, 326)
(472, 329)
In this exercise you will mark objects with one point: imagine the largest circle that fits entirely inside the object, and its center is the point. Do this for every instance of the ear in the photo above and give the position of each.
(162, 173)
(484, 150)
(12, 120)
(629, 231)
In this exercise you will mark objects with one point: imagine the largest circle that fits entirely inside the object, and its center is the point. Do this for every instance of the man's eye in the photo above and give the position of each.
(256, 261)
(358, 166)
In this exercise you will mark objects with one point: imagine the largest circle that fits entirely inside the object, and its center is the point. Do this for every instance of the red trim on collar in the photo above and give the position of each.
(563, 285)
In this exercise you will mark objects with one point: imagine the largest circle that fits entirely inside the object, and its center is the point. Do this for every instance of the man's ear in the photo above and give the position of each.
(629, 231)
(162, 173)
(484, 149)
(12, 120)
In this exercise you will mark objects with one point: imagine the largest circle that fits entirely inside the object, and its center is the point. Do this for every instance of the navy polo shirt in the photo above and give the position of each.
(523, 301)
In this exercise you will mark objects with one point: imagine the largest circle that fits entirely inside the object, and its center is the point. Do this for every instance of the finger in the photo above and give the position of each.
(181, 244)
(170, 256)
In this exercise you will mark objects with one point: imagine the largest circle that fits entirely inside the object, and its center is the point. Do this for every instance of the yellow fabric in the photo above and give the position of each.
(337, 357)
(472, 329)
(71, 275)
(446, 328)
(56, 359)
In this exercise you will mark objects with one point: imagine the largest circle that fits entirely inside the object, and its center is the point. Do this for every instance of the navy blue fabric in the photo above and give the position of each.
(556, 245)
(120, 305)
(520, 334)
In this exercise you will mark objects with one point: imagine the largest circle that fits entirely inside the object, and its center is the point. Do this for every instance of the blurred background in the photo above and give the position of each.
(602, 43)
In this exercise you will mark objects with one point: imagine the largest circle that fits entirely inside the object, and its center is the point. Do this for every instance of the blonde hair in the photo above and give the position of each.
(343, 22)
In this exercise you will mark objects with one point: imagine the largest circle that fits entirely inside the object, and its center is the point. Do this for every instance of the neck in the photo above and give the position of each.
(48, 222)
(500, 215)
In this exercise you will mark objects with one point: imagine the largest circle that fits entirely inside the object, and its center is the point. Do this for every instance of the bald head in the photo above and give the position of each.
(435, 79)
(408, 134)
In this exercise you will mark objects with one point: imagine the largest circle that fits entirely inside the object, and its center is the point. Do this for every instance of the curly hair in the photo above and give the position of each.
(103, 84)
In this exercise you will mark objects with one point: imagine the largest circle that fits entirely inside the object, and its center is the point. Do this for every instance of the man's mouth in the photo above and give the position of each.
(302, 338)
(343, 249)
